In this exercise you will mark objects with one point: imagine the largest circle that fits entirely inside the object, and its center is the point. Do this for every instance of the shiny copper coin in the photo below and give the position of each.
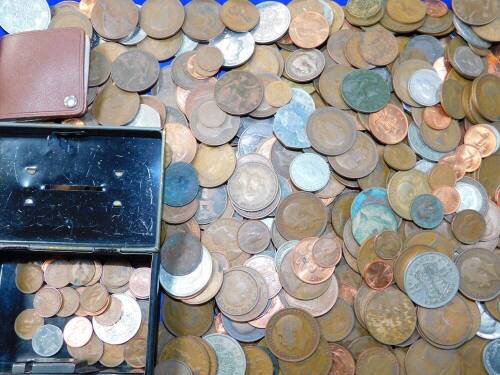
(77, 332)
(469, 157)
(436, 8)
(135, 352)
(389, 125)
(343, 362)
(436, 117)
(27, 323)
(327, 252)
(70, 303)
(303, 263)
(482, 138)
(452, 161)
(115, 19)
(29, 277)
(140, 282)
(47, 302)
(94, 298)
(309, 29)
(378, 274)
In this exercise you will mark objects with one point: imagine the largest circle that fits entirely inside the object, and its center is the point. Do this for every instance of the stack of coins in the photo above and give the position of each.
(104, 309)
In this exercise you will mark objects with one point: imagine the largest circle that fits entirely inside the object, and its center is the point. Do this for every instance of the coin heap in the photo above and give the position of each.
(331, 189)
(104, 310)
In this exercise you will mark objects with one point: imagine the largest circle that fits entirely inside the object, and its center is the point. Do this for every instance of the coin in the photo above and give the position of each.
(114, 106)
(189, 350)
(427, 211)
(94, 298)
(309, 172)
(309, 29)
(371, 220)
(403, 187)
(27, 323)
(18, 17)
(274, 19)
(90, 352)
(343, 363)
(114, 19)
(304, 65)
(424, 356)
(202, 20)
(47, 340)
(277, 93)
(112, 314)
(239, 15)
(113, 355)
(327, 251)
(468, 226)
(77, 332)
(237, 282)
(482, 138)
(365, 91)
(258, 361)
(29, 277)
(47, 302)
(237, 48)
(337, 323)
(230, 355)
(161, 19)
(183, 320)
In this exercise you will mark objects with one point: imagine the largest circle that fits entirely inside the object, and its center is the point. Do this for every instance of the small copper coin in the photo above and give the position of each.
(29, 277)
(239, 15)
(135, 71)
(81, 272)
(253, 236)
(70, 303)
(468, 158)
(327, 252)
(161, 19)
(94, 298)
(309, 29)
(115, 19)
(77, 332)
(113, 313)
(47, 302)
(378, 274)
(436, 117)
(442, 175)
(389, 125)
(468, 226)
(140, 282)
(482, 138)
(114, 106)
(278, 93)
(303, 263)
(113, 355)
(343, 362)
(27, 323)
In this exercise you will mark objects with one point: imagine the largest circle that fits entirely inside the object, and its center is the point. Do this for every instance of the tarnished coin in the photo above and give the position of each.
(116, 273)
(114, 19)
(172, 367)
(70, 303)
(309, 29)
(490, 357)
(47, 340)
(94, 298)
(253, 236)
(238, 92)
(29, 277)
(180, 177)
(431, 280)
(343, 362)
(372, 219)
(238, 282)
(181, 253)
(27, 323)
(162, 49)
(239, 15)
(468, 226)
(304, 266)
(202, 21)
(274, 19)
(114, 106)
(423, 356)
(20, 16)
(230, 355)
(258, 360)
(365, 91)
(379, 47)
(309, 172)
(381, 360)
(427, 211)
(327, 251)
(292, 335)
(135, 71)
(113, 355)
(90, 352)
(189, 350)
(220, 264)
(278, 93)
(161, 19)
(183, 320)
(403, 187)
(304, 65)
(47, 302)
(475, 12)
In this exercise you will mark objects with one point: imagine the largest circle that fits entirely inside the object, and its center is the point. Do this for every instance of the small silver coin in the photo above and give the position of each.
(473, 196)
(230, 355)
(273, 22)
(309, 172)
(468, 63)
(47, 340)
(17, 16)
(425, 87)
(237, 48)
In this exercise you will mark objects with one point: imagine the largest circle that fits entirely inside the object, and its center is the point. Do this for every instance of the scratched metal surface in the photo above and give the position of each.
(117, 176)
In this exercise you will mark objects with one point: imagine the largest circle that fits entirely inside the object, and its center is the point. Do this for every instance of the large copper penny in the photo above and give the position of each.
(90, 352)
(337, 323)
(113, 355)
(214, 164)
(140, 282)
(189, 350)
(114, 106)
(389, 125)
(239, 293)
(116, 273)
(112, 314)
(135, 71)
(239, 15)
(327, 251)
(422, 357)
(238, 92)
(70, 303)
(343, 363)
(94, 298)
(309, 29)
(202, 20)
(29, 277)
(47, 302)
(135, 352)
(161, 19)
(57, 273)
(301, 215)
(27, 323)
(436, 117)
(115, 19)
(184, 320)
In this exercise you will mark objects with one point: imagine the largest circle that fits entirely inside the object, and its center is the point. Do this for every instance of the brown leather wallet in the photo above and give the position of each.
(43, 74)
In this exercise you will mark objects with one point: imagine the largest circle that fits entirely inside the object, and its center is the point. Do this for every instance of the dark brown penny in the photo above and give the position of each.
(444, 140)
(100, 69)
(202, 20)
(115, 19)
(135, 71)
(114, 106)
(468, 226)
(327, 251)
(70, 18)
(238, 93)
(253, 236)
(301, 215)
(161, 19)
(162, 49)
(182, 77)
(90, 352)
(239, 15)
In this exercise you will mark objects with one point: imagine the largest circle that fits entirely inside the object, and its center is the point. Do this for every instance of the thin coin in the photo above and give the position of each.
(112, 314)
(337, 323)
(483, 138)
(303, 263)
(327, 251)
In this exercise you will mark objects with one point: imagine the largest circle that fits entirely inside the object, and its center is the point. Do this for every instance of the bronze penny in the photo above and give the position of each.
(140, 282)
(475, 12)
(47, 302)
(493, 307)
(238, 93)
(278, 93)
(115, 19)
(341, 211)
(483, 138)
(327, 251)
(449, 197)
(181, 141)
(135, 71)
(239, 15)
(90, 352)
(184, 320)
(155, 103)
(189, 350)
(100, 69)
(209, 58)
(423, 357)
(387, 244)
(27, 323)
(113, 106)
(337, 323)
(444, 140)
(353, 53)
(29, 277)
(319, 363)
(116, 273)
(135, 352)
(309, 29)
(70, 302)
(400, 156)
(337, 43)
(406, 11)
(202, 20)
(66, 18)
(442, 175)
(378, 274)
(112, 355)
(162, 49)
(451, 94)
(343, 363)
(97, 273)
(161, 19)
(379, 360)
(330, 82)
(57, 273)
(379, 47)
(468, 226)
(94, 298)
(389, 125)
(81, 272)
(113, 313)
(436, 117)
(253, 236)
(110, 50)
(303, 264)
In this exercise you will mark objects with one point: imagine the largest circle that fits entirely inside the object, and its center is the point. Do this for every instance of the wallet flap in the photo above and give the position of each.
(42, 74)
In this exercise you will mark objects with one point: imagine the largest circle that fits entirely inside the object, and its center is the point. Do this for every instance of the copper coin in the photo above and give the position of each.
(209, 58)
(336, 45)
(115, 19)
(337, 323)
(97, 273)
(239, 15)
(57, 273)
(343, 363)
(482, 138)
(116, 273)
(389, 125)
(47, 302)
(110, 50)
(238, 92)
(135, 71)
(70, 302)
(442, 175)
(162, 49)
(161, 19)
(94, 298)
(77, 332)
(449, 197)
(303, 263)
(113, 355)
(275, 304)
(388, 244)
(100, 69)
(436, 117)
(378, 47)
(135, 353)
(253, 236)
(113, 106)
(353, 53)
(81, 272)
(378, 275)
(278, 93)
(468, 157)
(90, 352)
(112, 314)
(140, 282)
(181, 141)
(423, 357)
(29, 277)
(202, 20)
(436, 8)
(381, 359)
(327, 251)
(86, 6)
(453, 161)
(309, 29)
(468, 226)
(27, 323)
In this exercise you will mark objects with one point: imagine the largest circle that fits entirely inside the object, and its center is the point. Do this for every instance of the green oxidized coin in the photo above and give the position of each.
(373, 219)
(365, 91)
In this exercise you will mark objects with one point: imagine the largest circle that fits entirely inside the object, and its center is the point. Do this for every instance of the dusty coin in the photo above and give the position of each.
(202, 21)
(135, 71)
(112, 314)
(379, 47)
(427, 211)
(114, 19)
(237, 282)
(468, 226)
(253, 236)
(181, 254)
(162, 49)
(161, 19)
(114, 106)
(304, 65)
(238, 92)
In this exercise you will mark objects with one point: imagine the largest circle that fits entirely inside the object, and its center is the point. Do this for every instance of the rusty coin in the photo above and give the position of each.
(135, 71)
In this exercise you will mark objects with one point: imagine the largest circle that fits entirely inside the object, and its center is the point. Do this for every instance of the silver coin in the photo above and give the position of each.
(243, 332)
(171, 367)
(237, 48)
(47, 340)
(472, 195)
(290, 125)
(491, 357)
(266, 267)
(301, 97)
(466, 32)
(17, 16)
(231, 358)
(309, 172)
(418, 145)
(213, 202)
(424, 166)
(187, 45)
(273, 22)
(490, 327)
(283, 250)
(190, 284)
(431, 280)
(327, 11)
(468, 63)
(146, 117)
(137, 36)
(304, 65)
(492, 218)
(252, 138)
(430, 45)
(425, 87)
(126, 328)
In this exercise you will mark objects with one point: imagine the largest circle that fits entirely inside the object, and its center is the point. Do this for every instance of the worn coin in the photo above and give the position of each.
(180, 177)
(77, 332)
(427, 211)
(253, 236)
(238, 92)
(114, 19)
(47, 302)
(29, 277)
(236, 48)
(304, 65)
(181, 254)
(468, 226)
(20, 16)
(90, 352)
(161, 19)
(365, 91)
(27, 323)
(309, 29)
(274, 19)
(230, 355)
(47, 340)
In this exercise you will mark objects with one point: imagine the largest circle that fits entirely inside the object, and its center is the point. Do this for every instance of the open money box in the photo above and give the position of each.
(80, 213)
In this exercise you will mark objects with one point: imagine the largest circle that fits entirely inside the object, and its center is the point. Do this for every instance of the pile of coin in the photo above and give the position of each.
(331, 190)
(103, 305)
